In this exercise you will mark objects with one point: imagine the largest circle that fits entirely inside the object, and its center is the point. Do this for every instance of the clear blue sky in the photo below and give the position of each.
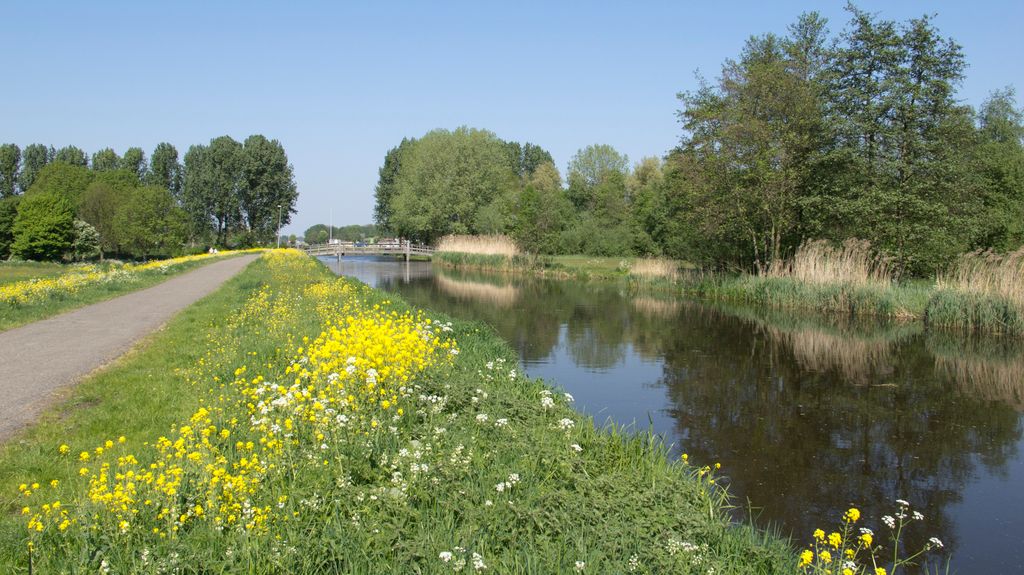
(339, 85)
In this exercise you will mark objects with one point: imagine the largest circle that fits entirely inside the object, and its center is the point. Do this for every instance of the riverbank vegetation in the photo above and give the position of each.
(813, 135)
(58, 205)
(58, 288)
(320, 426)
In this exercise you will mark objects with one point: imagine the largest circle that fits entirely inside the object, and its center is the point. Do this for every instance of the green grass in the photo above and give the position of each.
(14, 315)
(12, 272)
(617, 499)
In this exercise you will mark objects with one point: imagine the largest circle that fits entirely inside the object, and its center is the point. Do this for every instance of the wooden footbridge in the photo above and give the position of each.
(392, 248)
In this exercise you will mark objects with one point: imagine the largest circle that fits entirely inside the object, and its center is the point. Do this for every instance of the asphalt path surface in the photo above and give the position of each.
(41, 360)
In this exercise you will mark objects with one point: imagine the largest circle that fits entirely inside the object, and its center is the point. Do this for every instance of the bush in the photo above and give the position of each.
(44, 227)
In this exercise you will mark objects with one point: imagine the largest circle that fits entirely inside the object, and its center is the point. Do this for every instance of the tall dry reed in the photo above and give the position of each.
(819, 262)
(988, 274)
(655, 268)
(499, 245)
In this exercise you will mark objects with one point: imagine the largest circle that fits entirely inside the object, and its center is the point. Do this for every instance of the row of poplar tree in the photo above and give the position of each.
(61, 204)
(809, 135)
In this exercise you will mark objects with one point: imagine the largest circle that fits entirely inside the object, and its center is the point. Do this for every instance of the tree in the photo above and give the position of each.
(86, 242)
(99, 206)
(752, 135)
(998, 162)
(588, 167)
(267, 193)
(10, 161)
(135, 162)
(8, 211)
(896, 173)
(196, 196)
(165, 170)
(105, 159)
(316, 234)
(148, 223)
(34, 157)
(384, 193)
(66, 180)
(44, 227)
(72, 155)
(445, 181)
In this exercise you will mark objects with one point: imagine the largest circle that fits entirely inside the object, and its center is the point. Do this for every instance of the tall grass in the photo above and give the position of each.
(655, 268)
(499, 245)
(819, 262)
(981, 292)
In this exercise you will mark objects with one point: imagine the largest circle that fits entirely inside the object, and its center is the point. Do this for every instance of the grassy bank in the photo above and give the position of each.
(980, 293)
(320, 427)
(31, 291)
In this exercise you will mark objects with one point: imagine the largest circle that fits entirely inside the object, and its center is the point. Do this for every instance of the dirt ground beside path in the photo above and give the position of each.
(41, 359)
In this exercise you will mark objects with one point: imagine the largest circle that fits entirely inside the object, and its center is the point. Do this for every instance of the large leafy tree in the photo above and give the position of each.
(105, 159)
(387, 175)
(44, 227)
(134, 161)
(33, 158)
(10, 162)
(100, 203)
(8, 211)
(999, 164)
(751, 135)
(589, 167)
(66, 180)
(213, 175)
(897, 173)
(148, 222)
(71, 155)
(267, 193)
(165, 170)
(445, 181)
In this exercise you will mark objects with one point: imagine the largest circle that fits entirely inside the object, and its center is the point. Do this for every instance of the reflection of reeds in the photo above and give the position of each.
(500, 296)
(855, 358)
(819, 262)
(486, 245)
(656, 307)
(655, 268)
(986, 378)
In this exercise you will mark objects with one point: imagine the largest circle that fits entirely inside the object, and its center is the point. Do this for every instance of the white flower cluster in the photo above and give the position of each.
(565, 424)
(506, 485)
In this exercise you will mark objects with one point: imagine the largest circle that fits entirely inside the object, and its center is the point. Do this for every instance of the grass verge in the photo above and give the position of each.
(16, 314)
(321, 427)
(13, 271)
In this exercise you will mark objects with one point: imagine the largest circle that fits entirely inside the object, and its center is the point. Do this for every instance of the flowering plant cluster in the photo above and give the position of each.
(855, 550)
(80, 276)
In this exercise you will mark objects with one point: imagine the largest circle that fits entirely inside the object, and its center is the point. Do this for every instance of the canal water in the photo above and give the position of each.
(807, 415)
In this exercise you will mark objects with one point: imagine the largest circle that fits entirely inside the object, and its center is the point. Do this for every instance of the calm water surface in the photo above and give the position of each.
(807, 416)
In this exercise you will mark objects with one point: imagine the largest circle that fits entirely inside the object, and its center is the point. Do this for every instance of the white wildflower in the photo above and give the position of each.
(565, 424)
(481, 418)
(478, 562)
(935, 542)
(569, 398)
(902, 503)
(580, 566)
(889, 521)
(445, 556)
(501, 422)
(918, 516)
(546, 402)
(576, 447)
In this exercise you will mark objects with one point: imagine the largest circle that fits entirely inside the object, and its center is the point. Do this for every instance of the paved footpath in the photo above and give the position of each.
(41, 359)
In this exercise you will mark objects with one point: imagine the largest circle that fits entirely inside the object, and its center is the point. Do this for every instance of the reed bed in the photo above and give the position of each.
(819, 262)
(497, 245)
(982, 292)
(655, 268)
(499, 296)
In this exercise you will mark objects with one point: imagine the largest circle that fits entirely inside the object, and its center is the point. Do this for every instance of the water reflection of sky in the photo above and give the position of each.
(808, 416)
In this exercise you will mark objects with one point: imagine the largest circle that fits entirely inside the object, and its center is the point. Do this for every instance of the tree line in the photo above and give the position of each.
(61, 204)
(811, 135)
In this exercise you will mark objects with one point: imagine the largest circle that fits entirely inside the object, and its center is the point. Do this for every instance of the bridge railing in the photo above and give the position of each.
(387, 248)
